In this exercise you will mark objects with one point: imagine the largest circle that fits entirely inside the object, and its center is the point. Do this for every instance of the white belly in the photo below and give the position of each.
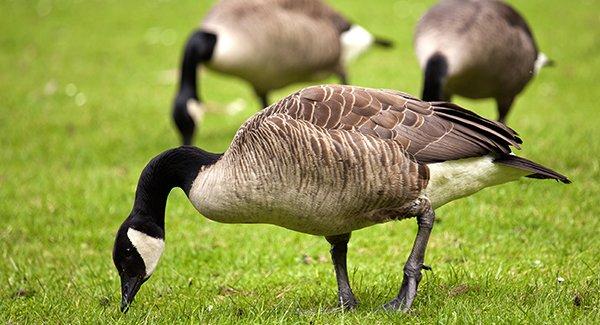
(454, 179)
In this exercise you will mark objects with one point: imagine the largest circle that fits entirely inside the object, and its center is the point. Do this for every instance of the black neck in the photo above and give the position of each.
(198, 48)
(173, 168)
(436, 71)
(187, 81)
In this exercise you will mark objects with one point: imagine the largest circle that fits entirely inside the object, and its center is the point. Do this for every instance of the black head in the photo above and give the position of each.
(138, 247)
(140, 239)
(181, 115)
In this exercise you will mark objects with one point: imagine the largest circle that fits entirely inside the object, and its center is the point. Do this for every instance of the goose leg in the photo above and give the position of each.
(262, 97)
(414, 264)
(339, 248)
(343, 78)
(504, 105)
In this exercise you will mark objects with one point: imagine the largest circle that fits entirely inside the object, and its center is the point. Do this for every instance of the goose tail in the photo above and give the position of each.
(383, 42)
(538, 171)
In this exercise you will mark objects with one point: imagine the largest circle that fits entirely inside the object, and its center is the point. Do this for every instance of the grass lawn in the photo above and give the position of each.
(85, 95)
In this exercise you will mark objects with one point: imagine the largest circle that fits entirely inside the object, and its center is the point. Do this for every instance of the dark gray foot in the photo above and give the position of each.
(408, 291)
(412, 269)
(348, 302)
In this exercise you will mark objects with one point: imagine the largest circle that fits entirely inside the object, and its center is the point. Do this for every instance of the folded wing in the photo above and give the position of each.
(429, 132)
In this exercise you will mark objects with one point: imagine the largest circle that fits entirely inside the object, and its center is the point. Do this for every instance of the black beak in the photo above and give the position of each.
(129, 287)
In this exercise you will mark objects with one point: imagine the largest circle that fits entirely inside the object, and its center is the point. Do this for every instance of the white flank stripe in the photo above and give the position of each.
(149, 248)
(454, 179)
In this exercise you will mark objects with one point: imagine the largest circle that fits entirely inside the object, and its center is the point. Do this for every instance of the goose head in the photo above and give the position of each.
(140, 240)
(188, 112)
(138, 247)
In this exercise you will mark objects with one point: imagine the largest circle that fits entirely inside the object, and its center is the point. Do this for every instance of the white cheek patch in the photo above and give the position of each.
(195, 109)
(149, 248)
(355, 41)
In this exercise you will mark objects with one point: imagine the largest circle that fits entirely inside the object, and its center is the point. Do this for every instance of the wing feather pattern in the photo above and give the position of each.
(429, 132)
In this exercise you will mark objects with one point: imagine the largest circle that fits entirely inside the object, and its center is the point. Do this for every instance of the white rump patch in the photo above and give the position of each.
(541, 61)
(355, 41)
(454, 179)
(149, 248)
(196, 110)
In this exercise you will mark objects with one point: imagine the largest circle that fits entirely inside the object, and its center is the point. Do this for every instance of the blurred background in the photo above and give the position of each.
(86, 89)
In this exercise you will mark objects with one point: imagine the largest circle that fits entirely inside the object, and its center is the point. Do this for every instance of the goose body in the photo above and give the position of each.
(329, 160)
(300, 183)
(270, 44)
(476, 49)
(302, 164)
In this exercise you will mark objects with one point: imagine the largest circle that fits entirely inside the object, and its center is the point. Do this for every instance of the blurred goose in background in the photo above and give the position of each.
(270, 44)
(326, 161)
(476, 49)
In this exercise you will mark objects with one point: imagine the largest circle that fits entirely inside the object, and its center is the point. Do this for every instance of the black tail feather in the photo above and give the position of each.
(538, 171)
(436, 70)
(383, 42)
(458, 113)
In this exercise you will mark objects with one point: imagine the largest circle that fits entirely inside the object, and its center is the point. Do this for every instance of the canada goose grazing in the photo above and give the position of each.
(476, 49)
(270, 44)
(326, 161)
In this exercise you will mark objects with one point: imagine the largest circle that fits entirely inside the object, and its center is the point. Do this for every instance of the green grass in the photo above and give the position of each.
(69, 166)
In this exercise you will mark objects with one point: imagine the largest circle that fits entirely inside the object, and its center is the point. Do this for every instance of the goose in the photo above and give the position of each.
(328, 160)
(476, 49)
(270, 44)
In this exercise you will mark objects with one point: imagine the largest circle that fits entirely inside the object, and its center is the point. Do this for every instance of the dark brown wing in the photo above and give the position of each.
(430, 132)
